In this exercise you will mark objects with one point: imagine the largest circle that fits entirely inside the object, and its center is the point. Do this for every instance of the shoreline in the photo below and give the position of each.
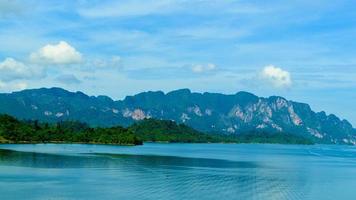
(154, 142)
(65, 142)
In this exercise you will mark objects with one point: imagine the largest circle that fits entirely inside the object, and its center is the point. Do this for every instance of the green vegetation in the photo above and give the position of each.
(168, 131)
(272, 138)
(15, 131)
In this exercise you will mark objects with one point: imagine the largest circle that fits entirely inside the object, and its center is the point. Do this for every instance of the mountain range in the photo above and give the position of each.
(208, 112)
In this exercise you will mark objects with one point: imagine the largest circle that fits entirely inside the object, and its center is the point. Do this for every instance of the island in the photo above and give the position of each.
(13, 130)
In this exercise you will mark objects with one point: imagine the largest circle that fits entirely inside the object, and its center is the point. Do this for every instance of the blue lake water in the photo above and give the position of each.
(177, 171)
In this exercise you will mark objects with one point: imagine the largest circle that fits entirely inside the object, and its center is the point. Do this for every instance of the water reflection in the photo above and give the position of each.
(112, 176)
(97, 160)
(177, 171)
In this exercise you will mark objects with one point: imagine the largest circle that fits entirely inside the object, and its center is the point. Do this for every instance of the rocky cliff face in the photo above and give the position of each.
(210, 112)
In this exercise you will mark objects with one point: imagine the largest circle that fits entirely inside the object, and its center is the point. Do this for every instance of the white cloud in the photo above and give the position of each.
(12, 86)
(113, 62)
(2, 85)
(11, 69)
(203, 68)
(68, 79)
(61, 53)
(276, 76)
(20, 86)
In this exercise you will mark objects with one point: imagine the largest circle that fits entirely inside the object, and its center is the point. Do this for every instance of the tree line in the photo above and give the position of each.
(13, 130)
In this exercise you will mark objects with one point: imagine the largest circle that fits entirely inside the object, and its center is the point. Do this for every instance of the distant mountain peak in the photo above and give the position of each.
(244, 93)
(209, 112)
(184, 91)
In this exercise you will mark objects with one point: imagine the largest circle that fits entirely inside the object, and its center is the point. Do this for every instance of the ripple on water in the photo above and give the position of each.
(31, 175)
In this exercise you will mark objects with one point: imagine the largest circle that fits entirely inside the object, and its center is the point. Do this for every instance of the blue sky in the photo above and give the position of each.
(302, 50)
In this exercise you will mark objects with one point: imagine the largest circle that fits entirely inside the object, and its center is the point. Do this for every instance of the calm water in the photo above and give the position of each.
(177, 171)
